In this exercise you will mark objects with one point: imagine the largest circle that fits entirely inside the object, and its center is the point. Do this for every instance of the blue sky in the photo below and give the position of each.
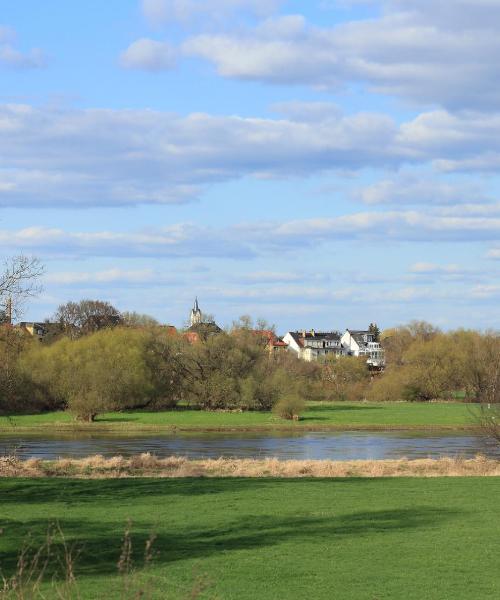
(320, 164)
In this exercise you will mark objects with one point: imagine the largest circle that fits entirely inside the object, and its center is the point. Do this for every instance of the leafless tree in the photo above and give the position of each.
(19, 281)
(86, 316)
(486, 377)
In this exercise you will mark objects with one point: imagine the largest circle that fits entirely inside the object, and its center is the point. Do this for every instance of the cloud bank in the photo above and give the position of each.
(427, 52)
(104, 157)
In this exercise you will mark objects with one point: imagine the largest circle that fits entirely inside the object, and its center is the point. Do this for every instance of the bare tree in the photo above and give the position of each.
(135, 319)
(86, 316)
(485, 378)
(19, 281)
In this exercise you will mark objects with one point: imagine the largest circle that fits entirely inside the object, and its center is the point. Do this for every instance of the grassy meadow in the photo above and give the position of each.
(343, 539)
(317, 416)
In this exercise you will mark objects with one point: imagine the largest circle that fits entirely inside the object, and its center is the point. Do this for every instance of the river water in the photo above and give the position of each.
(350, 445)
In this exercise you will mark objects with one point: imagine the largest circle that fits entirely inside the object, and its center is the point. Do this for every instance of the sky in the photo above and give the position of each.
(319, 164)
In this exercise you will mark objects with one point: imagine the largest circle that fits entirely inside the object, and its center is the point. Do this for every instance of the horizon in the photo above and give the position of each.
(308, 163)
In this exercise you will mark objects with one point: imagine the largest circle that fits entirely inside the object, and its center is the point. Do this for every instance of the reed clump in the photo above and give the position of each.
(149, 465)
(49, 570)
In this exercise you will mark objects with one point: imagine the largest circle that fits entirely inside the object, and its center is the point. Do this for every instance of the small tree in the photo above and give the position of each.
(289, 406)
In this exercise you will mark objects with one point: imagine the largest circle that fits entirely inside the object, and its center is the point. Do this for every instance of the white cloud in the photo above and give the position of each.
(486, 292)
(125, 157)
(149, 55)
(429, 52)
(138, 276)
(393, 225)
(249, 240)
(99, 157)
(175, 241)
(162, 11)
(432, 268)
(494, 253)
(13, 58)
(419, 189)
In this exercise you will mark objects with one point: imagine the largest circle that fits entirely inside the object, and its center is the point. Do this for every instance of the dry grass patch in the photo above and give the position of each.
(149, 465)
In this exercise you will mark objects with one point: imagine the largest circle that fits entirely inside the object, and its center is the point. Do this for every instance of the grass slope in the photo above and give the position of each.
(343, 539)
(318, 415)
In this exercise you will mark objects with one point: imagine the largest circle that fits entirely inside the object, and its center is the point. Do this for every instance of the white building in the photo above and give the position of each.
(311, 345)
(361, 343)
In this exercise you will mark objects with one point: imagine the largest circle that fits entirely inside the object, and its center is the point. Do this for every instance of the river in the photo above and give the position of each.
(352, 445)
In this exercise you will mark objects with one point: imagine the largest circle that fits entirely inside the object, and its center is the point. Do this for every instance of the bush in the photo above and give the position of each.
(289, 406)
(390, 386)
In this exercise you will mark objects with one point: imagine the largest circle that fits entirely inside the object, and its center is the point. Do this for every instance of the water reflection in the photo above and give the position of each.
(325, 445)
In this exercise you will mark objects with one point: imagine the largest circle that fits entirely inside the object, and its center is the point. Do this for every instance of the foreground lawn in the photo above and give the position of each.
(344, 539)
(317, 415)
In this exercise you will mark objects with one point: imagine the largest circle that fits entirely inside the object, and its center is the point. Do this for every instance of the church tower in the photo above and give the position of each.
(196, 317)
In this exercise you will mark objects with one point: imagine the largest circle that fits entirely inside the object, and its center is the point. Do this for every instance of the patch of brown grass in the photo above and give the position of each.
(149, 465)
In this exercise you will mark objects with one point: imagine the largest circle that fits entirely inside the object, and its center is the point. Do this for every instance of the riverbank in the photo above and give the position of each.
(351, 539)
(148, 465)
(319, 416)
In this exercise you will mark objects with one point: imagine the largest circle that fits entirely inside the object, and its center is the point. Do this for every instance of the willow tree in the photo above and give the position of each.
(98, 373)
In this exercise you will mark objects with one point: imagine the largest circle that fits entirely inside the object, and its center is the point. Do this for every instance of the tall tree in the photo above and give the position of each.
(375, 331)
(86, 316)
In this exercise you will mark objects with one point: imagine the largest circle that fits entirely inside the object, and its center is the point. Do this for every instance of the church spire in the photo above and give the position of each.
(196, 317)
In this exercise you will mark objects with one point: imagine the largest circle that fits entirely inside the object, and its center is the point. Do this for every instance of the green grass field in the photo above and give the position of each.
(318, 415)
(343, 539)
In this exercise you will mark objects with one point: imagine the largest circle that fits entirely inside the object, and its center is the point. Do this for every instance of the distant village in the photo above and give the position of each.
(308, 344)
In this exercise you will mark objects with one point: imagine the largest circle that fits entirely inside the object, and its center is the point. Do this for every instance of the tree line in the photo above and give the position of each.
(104, 363)
(97, 359)
(146, 366)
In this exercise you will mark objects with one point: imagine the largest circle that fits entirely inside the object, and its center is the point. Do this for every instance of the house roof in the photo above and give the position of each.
(301, 337)
(297, 338)
(279, 344)
(322, 335)
(359, 334)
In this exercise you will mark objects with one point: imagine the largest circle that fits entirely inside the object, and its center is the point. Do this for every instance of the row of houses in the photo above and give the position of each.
(307, 345)
(313, 345)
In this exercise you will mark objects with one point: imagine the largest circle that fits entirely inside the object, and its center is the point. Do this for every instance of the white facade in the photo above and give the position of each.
(360, 343)
(311, 345)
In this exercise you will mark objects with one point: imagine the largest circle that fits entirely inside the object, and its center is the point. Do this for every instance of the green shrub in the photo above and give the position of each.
(289, 406)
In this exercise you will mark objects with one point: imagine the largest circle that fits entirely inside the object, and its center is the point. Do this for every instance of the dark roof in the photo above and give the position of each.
(297, 338)
(303, 336)
(321, 335)
(358, 335)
